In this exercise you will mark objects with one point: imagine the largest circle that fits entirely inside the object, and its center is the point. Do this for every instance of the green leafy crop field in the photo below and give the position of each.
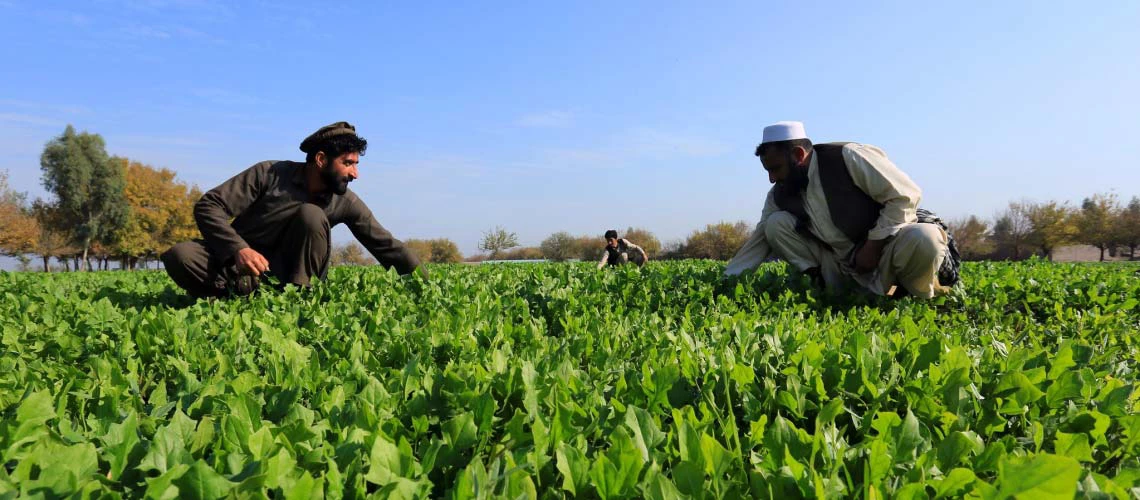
(555, 380)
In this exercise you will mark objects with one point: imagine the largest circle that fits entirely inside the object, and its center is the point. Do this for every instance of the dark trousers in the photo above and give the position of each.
(301, 253)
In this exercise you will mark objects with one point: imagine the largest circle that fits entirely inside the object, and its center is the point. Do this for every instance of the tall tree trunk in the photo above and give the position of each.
(1102, 254)
(47, 261)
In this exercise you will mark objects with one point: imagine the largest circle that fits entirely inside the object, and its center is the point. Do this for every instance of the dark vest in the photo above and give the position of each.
(613, 255)
(853, 211)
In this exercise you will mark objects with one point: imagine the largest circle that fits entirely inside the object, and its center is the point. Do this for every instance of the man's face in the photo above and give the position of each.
(785, 166)
(611, 242)
(339, 172)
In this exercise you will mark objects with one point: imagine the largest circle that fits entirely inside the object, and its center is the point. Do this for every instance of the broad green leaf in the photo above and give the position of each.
(460, 431)
(1038, 477)
(162, 487)
(829, 411)
(956, 447)
(717, 459)
(689, 478)
(658, 487)
(384, 462)
(646, 434)
(573, 466)
(1075, 446)
(956, 484)
(120, 440)
(200, 482)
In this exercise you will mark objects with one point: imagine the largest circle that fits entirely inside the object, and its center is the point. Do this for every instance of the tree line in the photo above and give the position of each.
(1027, 228)
(102, 208)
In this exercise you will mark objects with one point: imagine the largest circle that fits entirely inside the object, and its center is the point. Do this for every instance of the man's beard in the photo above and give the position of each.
(797, 178)
(335, 183)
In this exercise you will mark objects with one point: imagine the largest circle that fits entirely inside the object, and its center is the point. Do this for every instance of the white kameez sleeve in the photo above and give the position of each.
(756, 250)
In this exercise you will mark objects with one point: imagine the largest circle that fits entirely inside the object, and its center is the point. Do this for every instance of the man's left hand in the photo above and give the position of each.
(867, 258)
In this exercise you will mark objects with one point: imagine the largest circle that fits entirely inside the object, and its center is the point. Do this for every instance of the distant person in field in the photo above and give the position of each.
(282, 213)
(843, 213)
(618, 250)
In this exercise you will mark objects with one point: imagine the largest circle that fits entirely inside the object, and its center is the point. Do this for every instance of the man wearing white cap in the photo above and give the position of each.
(842, 212)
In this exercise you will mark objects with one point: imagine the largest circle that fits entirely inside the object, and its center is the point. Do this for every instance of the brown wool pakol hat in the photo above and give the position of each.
(324, 133)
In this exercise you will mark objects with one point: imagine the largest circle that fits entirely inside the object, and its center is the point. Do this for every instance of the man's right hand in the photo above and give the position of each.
(249, 261)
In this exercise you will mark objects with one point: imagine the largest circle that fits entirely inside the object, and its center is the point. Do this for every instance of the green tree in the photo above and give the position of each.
(560, 246)
(1052, 225)
(498, 239)
(1128, 226)
(1097, 221)
(89, 187)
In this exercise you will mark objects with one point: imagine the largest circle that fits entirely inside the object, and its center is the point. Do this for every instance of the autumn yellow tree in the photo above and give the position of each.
(161, 212)
(717, 241)
(645, 239)
(18, 227)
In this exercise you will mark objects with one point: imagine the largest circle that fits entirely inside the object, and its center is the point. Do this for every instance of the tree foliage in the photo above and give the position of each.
(1097, 219)
(88, 186)
(497, 239)
(718, 241)
(19, 229)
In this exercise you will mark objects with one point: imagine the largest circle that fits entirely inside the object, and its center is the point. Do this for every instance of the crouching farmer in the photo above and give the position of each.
(619, 251)
(844, 214)
(282, 213)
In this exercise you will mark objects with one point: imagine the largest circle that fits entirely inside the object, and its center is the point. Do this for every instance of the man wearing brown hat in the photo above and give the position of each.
(282, 213)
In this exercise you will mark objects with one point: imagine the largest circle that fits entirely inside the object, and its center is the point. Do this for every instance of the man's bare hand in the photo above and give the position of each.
(249, 261)
(867, 258)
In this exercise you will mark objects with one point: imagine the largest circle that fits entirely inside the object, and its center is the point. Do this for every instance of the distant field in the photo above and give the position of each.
(556, 380)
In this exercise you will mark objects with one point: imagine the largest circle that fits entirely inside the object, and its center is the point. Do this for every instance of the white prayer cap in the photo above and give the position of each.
(784, 131)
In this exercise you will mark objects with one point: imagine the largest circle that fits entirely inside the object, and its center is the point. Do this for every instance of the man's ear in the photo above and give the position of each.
(320, 159)
(800, 154)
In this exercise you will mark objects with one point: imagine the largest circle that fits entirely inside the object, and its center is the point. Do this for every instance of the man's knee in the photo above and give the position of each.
(313, 218)
(779, 225)
(927, 241)
(179, 255)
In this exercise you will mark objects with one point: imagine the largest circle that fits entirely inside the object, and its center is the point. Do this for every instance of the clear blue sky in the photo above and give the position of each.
(582, 116)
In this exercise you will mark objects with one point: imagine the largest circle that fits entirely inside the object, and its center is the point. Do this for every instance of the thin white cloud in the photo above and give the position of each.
(144, 31)
(549, 119)
(223, 97)
(42, 107)
(33, 120)
(657, 143)
(631, 147)
(154, 140)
